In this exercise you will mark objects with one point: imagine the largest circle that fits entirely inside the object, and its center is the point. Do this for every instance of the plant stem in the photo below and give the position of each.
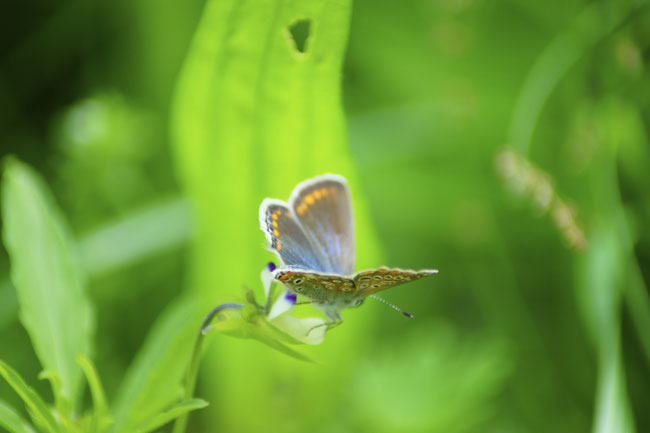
(193, 369)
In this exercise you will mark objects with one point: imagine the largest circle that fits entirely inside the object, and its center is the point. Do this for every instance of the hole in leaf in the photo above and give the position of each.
(299, 32)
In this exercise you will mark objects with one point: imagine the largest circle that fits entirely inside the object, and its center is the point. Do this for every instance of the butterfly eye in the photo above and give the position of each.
(358, 302)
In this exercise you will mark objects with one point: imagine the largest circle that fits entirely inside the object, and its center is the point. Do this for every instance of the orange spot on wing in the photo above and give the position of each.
(283, 277)
(275, 224)
(274, 216)
(317, 194)
(323, 191)
(382, 271)
(309, 199)
(278, 247)
(276, 233)
(302, 209)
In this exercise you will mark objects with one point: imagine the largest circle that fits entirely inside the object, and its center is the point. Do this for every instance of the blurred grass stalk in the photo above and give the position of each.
(610, 257)
(593, 24)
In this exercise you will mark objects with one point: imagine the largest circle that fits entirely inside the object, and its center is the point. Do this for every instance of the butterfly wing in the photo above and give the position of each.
(376, 280)
(323, 208)
(316, 286)
(287, 239)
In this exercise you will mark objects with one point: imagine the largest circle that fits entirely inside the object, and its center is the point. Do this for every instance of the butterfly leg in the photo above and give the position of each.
(337, 319)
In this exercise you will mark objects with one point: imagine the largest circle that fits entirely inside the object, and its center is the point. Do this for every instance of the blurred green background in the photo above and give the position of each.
(501, 142)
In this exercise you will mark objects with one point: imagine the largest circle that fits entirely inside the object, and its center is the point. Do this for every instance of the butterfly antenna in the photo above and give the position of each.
(406, 313)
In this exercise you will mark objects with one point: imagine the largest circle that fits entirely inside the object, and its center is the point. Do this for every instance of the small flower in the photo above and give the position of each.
(279, 301)
(271, 323)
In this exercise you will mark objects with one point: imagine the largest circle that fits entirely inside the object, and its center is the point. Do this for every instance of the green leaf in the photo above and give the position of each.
(249, 105)
(153, 380)
(53, 305)
(170, 414)
(33, 401)
(252, 116)
(95, 385)
(117, 244)
(12, 421)
(101, 417)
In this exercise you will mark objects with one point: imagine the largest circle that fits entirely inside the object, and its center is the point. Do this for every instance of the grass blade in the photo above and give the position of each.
(12, 421)
(154, 379)
(34, 403)
(53, 306)
(101, 417)
(170, 414)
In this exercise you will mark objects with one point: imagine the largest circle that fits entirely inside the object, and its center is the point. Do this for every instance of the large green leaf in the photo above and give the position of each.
(252, 117)
(37, 407)
(153, 381)
(53, 305)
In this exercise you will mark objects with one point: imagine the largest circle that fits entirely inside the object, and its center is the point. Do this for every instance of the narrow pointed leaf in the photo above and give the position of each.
(170, 414)
(154, 380)
(12, 421)
(101, 417)
(53, 305)
(33, 401)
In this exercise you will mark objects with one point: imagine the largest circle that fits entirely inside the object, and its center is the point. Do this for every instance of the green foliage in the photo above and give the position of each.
(12, 421)
(101, 417)
(248, 124)
(56, 313)
(458, 382)
(53, 305)
(233, 113)
(170, 414)
(39, 411)
(161, 129)
(153, 381)
(252, 322)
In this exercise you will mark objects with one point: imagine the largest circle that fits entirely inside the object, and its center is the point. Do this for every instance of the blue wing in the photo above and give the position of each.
(287, 239)
(323, 208)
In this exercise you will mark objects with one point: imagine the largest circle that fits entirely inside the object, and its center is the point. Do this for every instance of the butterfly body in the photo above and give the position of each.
(313, 235)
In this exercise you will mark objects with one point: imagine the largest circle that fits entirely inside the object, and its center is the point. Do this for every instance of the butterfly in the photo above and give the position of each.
(313, 236)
